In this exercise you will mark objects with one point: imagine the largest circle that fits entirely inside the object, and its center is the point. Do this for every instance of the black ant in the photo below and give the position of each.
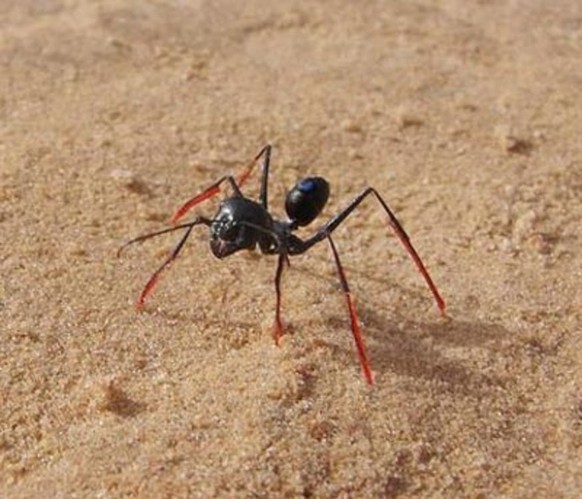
(242, 223)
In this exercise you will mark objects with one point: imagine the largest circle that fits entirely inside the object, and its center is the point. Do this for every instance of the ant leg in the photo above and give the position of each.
(360, 346)
(263, 196)
(278, 325)
(329, 227)
(215, 188)
(266, 150)
(155, 276)
(173, 255)
(163, 231)
(206, 194)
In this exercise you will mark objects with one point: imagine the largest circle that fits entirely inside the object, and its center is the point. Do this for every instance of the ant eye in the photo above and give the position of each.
(306, 200)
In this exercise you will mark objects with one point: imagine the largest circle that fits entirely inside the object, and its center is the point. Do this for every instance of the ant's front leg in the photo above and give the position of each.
(173, 255)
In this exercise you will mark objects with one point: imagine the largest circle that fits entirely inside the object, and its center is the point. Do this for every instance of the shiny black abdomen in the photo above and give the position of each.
(306, 200)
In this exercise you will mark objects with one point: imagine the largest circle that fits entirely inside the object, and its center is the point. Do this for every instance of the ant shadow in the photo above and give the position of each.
(396, 345)
(415, 349)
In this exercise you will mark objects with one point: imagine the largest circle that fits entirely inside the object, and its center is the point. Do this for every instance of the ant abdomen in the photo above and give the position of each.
(306, 200)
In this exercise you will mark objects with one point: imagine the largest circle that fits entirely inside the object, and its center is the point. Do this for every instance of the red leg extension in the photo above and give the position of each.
(208, 193)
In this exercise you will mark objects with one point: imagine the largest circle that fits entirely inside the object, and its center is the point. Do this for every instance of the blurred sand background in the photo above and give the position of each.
(465, 115)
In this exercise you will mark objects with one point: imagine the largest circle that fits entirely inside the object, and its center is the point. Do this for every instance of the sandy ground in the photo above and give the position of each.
(466, 116)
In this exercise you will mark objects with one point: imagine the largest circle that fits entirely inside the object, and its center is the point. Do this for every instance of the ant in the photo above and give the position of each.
(242, 223)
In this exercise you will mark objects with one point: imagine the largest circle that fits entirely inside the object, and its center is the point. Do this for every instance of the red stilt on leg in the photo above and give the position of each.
(246, 173)
(149, 287)
(358, 338)
(208, 193)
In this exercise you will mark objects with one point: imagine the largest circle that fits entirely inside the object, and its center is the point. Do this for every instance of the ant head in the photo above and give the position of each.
(306, 200)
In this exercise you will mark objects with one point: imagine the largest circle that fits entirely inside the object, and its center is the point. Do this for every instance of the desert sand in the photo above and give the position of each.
(464, 115)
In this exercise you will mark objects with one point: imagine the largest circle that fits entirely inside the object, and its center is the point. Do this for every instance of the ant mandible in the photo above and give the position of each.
(242, 223)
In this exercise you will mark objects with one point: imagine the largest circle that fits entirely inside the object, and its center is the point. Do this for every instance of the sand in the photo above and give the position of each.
(465, 116)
